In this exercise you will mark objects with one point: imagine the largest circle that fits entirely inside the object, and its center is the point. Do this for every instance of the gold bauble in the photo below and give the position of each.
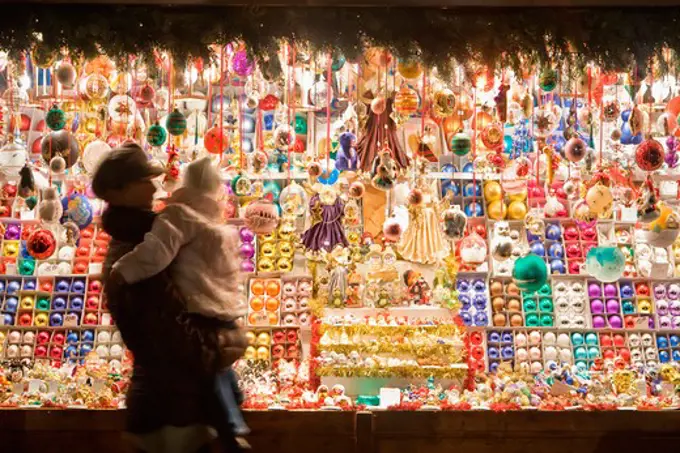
(599, 199)
(286, 249)
(91, 124)
(464, 107)
(518, 196)
(493, 191)
(517, 210)
(284, 264)
(444, 103)
(96, 87)
(453, 124)
(265, 264)
(249, 354)
(268, 249)
(409, 69)
(496, 210)
(482, 120)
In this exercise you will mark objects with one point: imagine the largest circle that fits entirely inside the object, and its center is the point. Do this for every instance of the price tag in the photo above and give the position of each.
(95, 268)
(560, 388)
(11, 269)
(36, 386)
(106, 319)
(641, 322)
(71, 320)
(389, 397)
(628, 214)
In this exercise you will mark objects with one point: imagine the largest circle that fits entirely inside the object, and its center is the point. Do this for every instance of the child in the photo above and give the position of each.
(205, 270)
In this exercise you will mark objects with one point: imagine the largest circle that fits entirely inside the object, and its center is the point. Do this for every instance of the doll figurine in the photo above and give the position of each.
(337, 286)
(346, 159)
(326, 231)
(419, 292)
(384, 171)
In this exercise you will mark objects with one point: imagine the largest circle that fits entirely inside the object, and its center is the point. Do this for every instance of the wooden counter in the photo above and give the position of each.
(80, 431)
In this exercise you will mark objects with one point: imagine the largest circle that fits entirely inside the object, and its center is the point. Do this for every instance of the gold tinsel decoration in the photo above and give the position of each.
(440, 330)
(410, 371)
(452, 352)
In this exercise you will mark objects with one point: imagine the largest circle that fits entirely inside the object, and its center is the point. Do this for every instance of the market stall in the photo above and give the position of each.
(464, 211)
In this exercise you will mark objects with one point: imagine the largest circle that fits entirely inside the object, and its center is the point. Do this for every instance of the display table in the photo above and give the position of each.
(78, 431)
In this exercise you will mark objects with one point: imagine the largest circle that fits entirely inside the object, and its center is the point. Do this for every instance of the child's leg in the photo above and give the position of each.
(225, 390)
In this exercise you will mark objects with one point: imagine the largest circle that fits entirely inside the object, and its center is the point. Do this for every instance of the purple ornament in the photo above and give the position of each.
(538, 249)
(494, 353)
(29, 285)
(594, 290)
(481, 319)
(247, 251)
(479, 301)
(599, 322)
(675, 307)
(610, 290)
(479, 285)
(466, 317)
(247, 266)
(463, 285)
(615, 322)
(77, 303)
(613, 306)
(664, 322)
(493, 367)
(507, 352)
(659, 291)
(8, 319)
(675, 322)
(241, 65)
(596, 306)
(246, 235)
(11, 304)
(662, 307)
(506, 337)
(627, 290)
(494, 337)
(56, 319)
(13, 287)
(62, 286)
(464, 301)
(78, 286)
(13, 232)
(673, 291)
(58, 303)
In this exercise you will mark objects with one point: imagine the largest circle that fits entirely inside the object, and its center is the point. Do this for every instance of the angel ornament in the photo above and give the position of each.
(327, 212)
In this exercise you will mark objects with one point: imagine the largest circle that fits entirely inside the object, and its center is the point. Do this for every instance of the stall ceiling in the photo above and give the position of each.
(414, 3)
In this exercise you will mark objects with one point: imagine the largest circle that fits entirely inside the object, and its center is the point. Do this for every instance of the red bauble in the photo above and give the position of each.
(649, 155)
(216, 140)
(41, 244)
(575, 149)
(269, 102)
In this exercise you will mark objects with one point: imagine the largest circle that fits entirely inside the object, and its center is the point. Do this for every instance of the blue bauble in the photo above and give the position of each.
(30, 285)
(538, 248)
(450, 186)
(674, 340)
(329, 178)
(11, 304)
(88, 335)
(8, 320)
(473, 209)
(664, 357)
(78, 209)
(248, 125)
(468, 168)
(553, 232)
(676, 355)
(449, 168)
(71, 352)
(466, 317)
(662, 342)
(507, 144)
(472, 189)
(557, 267)
(268, 121)
(605, 263)
(13, 287)
(85, 349)
(72, 337)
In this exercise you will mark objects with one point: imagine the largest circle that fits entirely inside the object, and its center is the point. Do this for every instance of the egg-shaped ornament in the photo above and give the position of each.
(606, 264)
(93, 154)
(473, 249)
(649, 155)
(575, 150)
(378, 105)
(176, 123)
(461, 144)
(444, 103)
(156, 135)
(66, 74)
(530, 272)
(261, 216)
(406, 101)
(600, 200)
(216, 140)
(293, 195)
(60, 144)
(41, 244)
(55, 118)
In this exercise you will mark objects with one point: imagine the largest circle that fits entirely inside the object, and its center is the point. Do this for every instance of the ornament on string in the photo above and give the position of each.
(55, 118)
(216, 140)
(122, 109)
(41, 244)
(649, 155)
(284, 136)
(522, 140)
(267, 103)
(461, 144)
(13, 157)
(356, 190)
(672, 158)
(78, 209)
(241, 185)
(145, 95)
(530, 273)
(444, 103)
(293, 198)
(427, 144)
(492, 136)
(575, 150)
(384, 172)
(453, 222)
(547, 80)
(409, 69)
(473, 250)
(156, 135)
(378, 105)
(93, 154)
(392, 229)
(95, 87)
(66, 74)
(60, 144)
(605, 263)
(261, 217)
(176, 123)
(241, 64)
(406, 101)
(319, 94)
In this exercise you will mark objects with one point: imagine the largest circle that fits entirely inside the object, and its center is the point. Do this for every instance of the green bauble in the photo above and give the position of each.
(26, 266)
(31, 202)
(548, 79)
(530, 272)
(461, 144)
(300, 124)
(156, 135)
(55, 118)
(338, 62)
(176, 123)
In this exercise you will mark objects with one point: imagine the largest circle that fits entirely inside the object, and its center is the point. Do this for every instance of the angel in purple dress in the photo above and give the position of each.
(327, 231)
(346, 159)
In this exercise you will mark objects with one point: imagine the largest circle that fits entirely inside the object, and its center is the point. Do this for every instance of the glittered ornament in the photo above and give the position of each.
(406, 101)
(606, 264)
(575, 149)
(547, 80)
(241, 185)
(409, 69)
(530, 272)
(649, 155)
(78, 209)
(176, 123)
(492, 136)
(216, 140)
(461, 144)
(241, 64)
(261, 217)
(55, 118)
(473, 249)
(156, 135)
(600, 200)
(444, 103)
(41, 244)
(96, 87)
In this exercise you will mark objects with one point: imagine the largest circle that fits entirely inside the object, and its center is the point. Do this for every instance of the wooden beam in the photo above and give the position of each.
(375, 3)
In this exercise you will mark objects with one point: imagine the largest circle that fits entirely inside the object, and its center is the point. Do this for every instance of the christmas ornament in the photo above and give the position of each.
(60, 144)
(649, 155)
(444, 103)
(241, 185)
(378, 105)
(156, 135)
(492, 136)
(96, 87)
(241, 64)
(293, 199)
(216, 140)
(547, 80)
(409, 69)
(261, 217)
(78, 209)
(606, 264)
(575, 150)
(600, 200)
(41, 244)
(176, 123)
(93, 154)
(55, 118)
(319, 94)
(496, 210)
(663, 231)
(473, 249)
(406, 101)
(66, 74)
(530, 273)
(517, 210)
(461, 144)
(122, 109)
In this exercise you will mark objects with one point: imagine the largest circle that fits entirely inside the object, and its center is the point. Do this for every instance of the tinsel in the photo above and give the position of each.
(386, 346)
(406, 406)
(611, 37)
(504, 407)
(406, 371)
(459, 406)
(441, 330)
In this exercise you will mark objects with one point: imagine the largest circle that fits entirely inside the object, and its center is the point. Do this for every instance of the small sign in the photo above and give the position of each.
(36, 386)
(11, 269)
(18, 388)
(389, 397)
(95, 268)
(560, 388)
(628, 214)
(71, 320)
(642, 322)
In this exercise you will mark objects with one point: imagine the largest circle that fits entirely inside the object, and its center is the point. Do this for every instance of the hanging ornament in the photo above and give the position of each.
(78, 209)
(319, 94)
(636, 120)
(122, 109)
(241, 185)
(606, 264)
(473, 249)
(545, 121)
(649, 155)
(267, 103)
(13, 157)
(547, 80)
(300, 124)
(41, 244)
(357, 190)
(406, 101)
(96, 87)
(66, 74)
(93, 154)
(284, 136)
(176, 123)
(453, 222)
(600, 200)
(261, 217)
(241, 64)
(293, 194)
(378, 105)
(611, 109)
(55, 118)
(461, 144)
(60, 144)
(156, 135)
(444, 103)
(409, 69)
(392, 229)
(216, 140)
(530, 273)
(145, 95)
(492, 136)
(575, 149)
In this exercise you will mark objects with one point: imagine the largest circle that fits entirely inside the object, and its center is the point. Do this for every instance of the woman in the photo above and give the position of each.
(171, 404)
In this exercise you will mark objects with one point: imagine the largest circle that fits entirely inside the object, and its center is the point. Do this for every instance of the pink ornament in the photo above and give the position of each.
(261, 217)
(241, 65)
(596, 306)
(615, 322)
(246, 235)
(247, 266)
(575, 149)
(599, 322)
(247, 251)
